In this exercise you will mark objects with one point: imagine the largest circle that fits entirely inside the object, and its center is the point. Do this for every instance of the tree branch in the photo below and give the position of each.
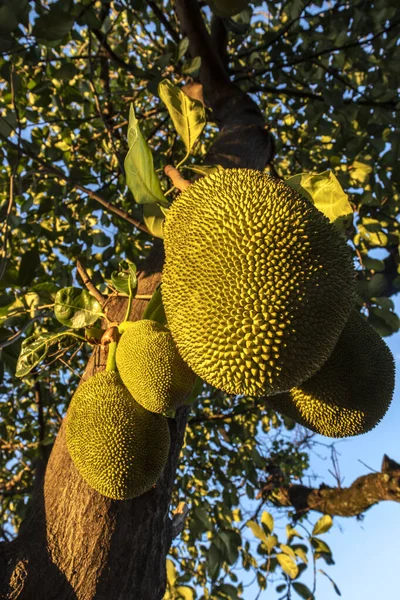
(363, 493)
(87, 282)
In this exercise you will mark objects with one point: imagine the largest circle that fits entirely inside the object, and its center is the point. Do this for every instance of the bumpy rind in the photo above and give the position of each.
(351, 393)
(151, 367)
(119, 448)
(257, 284)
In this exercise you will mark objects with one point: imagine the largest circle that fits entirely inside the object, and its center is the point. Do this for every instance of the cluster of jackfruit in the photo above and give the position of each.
(257, 287)
(116, 439)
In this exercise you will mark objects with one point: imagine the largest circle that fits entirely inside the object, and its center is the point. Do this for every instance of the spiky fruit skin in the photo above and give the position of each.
(257, 284)
(151, 367)
(351, 393)
(118, 447)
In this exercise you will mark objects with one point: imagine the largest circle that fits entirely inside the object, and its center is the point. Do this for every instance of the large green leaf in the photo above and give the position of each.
(188, 115)
(141, 177)
(326, 193)
(76, 308)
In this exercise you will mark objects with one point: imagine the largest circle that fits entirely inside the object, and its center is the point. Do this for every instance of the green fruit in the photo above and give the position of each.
(151, 367)
(119, 448)
(351, 393)
(257, 284)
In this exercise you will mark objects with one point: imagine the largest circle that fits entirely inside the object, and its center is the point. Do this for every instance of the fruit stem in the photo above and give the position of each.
(111, 364)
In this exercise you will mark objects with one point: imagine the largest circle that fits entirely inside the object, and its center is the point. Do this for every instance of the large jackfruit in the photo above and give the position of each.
(151, 367)
(119, 448)
(351, 393)
(257, 284)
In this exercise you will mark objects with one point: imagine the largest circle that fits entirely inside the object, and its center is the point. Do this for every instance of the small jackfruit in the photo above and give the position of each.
(151, 367)
(351, 393)
(257, 284)
(119, 448)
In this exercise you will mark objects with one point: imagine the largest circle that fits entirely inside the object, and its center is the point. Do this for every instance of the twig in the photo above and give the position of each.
(87, 282)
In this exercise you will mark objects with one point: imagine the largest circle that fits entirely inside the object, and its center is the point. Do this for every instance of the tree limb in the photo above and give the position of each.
(363, 493)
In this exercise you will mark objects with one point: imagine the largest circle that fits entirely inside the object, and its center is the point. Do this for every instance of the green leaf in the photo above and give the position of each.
(325, 191)
(257, 531)
(288, 565)
(155, 308)
(124, 278)
(141, 177)
(192, 66)
(268, 521)
(33, 349)
(302, 590)
(322, 525)
(154, 218)
(188, 115)
(76, 308)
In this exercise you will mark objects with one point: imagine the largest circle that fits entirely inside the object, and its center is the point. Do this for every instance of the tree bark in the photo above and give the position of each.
(76, 543)
(363, 493)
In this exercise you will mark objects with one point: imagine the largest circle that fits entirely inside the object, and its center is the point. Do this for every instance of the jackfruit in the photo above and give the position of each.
(257, 284)
(119, 448)
(151, 367)
(351, 393)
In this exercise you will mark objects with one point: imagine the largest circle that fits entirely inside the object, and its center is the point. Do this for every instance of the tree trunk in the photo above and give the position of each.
(75, 543)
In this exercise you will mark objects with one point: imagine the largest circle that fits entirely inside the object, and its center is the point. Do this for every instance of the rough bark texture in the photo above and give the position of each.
(75, 543)
(343, 502)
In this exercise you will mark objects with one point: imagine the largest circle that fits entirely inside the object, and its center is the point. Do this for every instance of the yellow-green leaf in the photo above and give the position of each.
(188, 115)
(288, 565)
(257, 531)
(322, 525)
(325, 191)
(268, 521)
